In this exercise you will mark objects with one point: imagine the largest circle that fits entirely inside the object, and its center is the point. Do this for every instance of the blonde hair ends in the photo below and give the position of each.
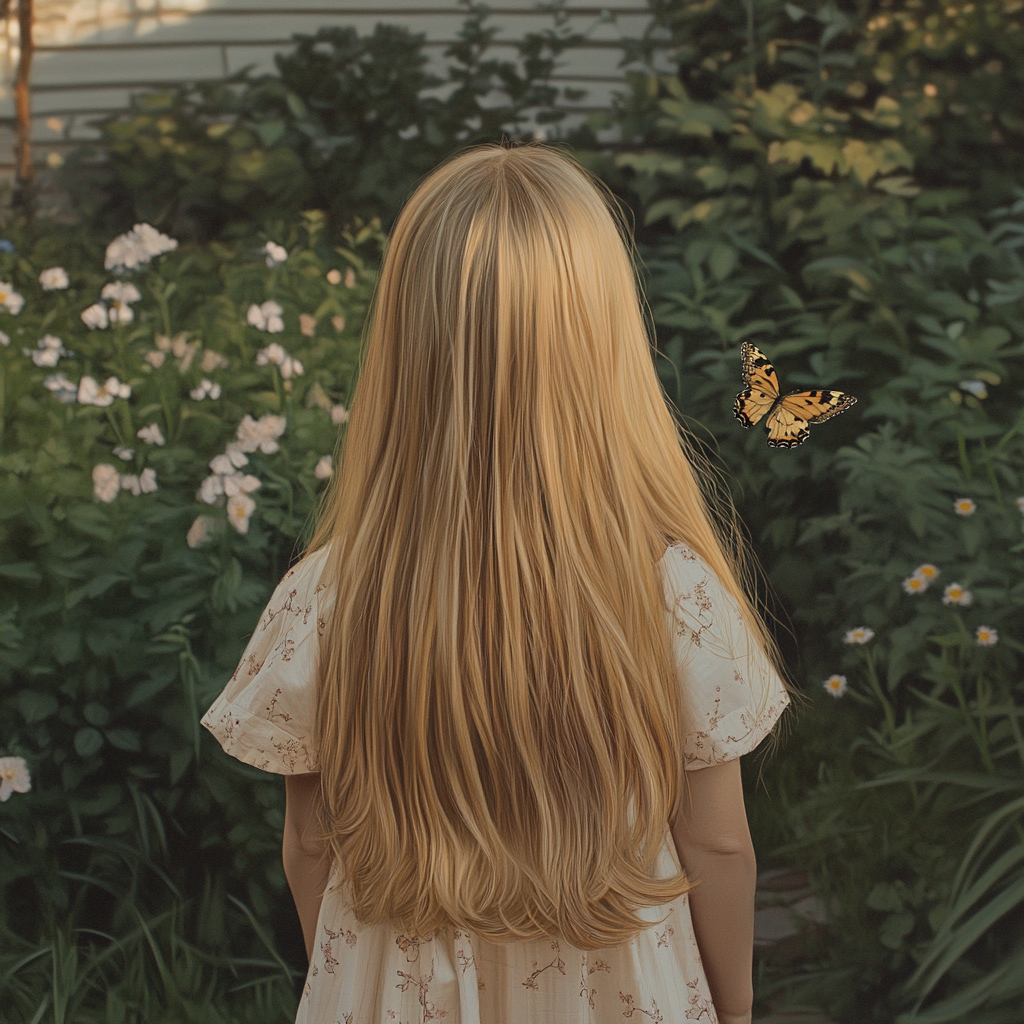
(496, 685)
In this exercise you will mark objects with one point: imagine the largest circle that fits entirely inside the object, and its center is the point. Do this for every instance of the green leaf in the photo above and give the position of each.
(88, 742)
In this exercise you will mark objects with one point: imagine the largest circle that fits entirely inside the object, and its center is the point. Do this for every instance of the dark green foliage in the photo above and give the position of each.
(344, 126)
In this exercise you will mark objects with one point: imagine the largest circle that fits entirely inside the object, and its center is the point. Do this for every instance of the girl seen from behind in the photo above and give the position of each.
(510, 679)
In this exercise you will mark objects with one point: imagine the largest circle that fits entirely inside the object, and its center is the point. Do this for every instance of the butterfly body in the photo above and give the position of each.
(786, 416)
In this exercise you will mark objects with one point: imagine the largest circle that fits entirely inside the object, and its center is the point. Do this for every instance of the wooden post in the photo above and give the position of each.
(22, 101)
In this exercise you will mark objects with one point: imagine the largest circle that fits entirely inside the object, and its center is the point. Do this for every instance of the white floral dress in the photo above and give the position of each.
(374, 975)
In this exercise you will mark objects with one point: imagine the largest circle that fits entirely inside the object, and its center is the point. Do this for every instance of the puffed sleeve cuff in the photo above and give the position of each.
(736, 734)
(254, 740)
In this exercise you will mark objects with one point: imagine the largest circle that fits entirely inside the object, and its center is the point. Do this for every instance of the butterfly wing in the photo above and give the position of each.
(762, 386)
(787, 423)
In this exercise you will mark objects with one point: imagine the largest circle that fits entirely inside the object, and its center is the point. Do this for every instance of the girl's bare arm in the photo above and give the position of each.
(713, 842)
(305, 867)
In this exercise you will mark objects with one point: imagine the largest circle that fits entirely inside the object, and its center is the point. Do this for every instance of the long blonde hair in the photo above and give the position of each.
(496, 682)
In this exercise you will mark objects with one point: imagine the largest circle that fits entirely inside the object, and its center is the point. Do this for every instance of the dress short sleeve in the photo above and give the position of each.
(265, 714)
(731, 693)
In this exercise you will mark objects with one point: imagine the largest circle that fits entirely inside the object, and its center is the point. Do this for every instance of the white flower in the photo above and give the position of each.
(926, 572)
(339, 414)
(211, 488)
(252, 434)
(350, 278)
(121, 291)
(106, 481)
(338, 322)
(91, 393)
(120, 313)
(151, 434)
(124, 453)
(14, 777)
(241, 483)
(835, 685)
(334, 276)
(137, 247)
(205, 388)
(154, 358)
(291, 367)
(9, 298)
(147, 480)
(266, 317)
(975, 387)
(62, 388)
(956, 594)
(307, 324)
(323, 468)
(240, 508)
(275, 253)
(272, 353)
(5, 338)
(915, 585)
(200, 531)
(987, 636)
(235, 455)
(48, 351)
(213, 361)
(860, 635)
(95, 316)
(54, 279)
(964, 507)
(130, 482)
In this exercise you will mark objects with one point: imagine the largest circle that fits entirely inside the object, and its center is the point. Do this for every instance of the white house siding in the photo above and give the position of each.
(91, 55)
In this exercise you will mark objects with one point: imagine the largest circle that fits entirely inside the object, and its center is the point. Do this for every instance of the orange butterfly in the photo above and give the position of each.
(788, 415)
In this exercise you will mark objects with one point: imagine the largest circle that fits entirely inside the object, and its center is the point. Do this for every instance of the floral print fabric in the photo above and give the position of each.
(374, 975)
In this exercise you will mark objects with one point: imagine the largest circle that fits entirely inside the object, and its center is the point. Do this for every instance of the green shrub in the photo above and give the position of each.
(136, 556)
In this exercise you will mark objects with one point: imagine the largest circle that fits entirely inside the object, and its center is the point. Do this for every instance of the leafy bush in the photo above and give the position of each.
(346, 126)
(793, 189)
(150, 505)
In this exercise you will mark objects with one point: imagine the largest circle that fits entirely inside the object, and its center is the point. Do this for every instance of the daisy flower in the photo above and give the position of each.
(860, 635)
(915, 585)
(54, 279)
(14, 777)
(200, 531)
(9, 298)
(240, 508)
(987, 636)
(955, 593)
(92, 393)
(151, 434)
(835, 685)
(136, 247)
(964, 507)
(95, 316)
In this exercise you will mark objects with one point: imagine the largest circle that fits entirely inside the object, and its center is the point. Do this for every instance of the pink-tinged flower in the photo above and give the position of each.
(14, 777)
(835, 685)
(338, 322)
(915, 585)
(275, 253)
(987, 636)
(106, 481)
(240, 508)
(323, 469)
(860, 635)
(339, 414)
(1020, 505)
(350, 278)
(307, 324)
(266, 317)
(200, 532)
(964, 507)
(334, 276)
(926, 572)
(955, 593)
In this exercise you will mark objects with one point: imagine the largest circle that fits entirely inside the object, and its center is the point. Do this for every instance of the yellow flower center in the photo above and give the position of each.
(10, 774)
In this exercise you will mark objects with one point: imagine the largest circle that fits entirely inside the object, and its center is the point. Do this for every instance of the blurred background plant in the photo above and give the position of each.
(841, 184)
